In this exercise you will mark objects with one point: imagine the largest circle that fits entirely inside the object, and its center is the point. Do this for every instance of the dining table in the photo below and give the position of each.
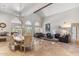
(19, 40)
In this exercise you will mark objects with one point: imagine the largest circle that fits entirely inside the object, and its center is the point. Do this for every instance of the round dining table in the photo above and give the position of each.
(18, 39)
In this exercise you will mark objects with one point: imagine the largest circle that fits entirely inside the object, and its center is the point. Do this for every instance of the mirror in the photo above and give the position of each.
(2, 25)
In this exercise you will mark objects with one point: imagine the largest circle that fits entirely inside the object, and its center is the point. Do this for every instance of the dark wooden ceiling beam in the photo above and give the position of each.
(43, 7)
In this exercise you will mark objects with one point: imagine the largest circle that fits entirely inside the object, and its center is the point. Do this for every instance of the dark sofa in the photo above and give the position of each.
(57, 35)
(64, 38)
(49, 35)
(39, 35)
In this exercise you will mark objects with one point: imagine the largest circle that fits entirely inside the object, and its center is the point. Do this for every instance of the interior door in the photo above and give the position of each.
(77, 34)
(74, 34)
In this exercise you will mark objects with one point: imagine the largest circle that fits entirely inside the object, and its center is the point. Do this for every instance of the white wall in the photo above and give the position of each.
(5, 19)
(70, 16)
(33, 18)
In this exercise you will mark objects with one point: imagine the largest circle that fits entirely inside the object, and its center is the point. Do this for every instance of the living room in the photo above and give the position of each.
(39, 29)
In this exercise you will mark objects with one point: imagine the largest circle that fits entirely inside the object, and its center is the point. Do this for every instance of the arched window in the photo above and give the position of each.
(37, 24)
(28, 23)
(16, 21)
(28, 27)
(16, 25)
(37, 27)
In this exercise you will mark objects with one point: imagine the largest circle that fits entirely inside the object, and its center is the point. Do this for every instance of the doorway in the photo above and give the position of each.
(75, 33)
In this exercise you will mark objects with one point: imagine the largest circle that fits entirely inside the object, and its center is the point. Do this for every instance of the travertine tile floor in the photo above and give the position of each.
(42, 48)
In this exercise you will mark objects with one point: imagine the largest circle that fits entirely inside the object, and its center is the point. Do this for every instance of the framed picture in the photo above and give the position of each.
(47, 27)
(2, 25)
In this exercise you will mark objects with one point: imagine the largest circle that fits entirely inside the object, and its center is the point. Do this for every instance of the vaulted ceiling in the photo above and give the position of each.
(25, 9)
(15, 9)
(56, 8)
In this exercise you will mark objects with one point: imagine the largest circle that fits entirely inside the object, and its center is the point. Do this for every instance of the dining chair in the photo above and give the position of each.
(12, 44)
(28, 43)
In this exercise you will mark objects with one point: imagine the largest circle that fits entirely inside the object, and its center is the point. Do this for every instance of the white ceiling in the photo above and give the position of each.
(24, 8)
(58, 7)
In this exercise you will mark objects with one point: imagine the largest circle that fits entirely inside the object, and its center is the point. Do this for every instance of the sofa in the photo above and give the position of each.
(3, 36)
(57, 35)
(3, 33)
(64, 38)
(49, 35)
(39, 35)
